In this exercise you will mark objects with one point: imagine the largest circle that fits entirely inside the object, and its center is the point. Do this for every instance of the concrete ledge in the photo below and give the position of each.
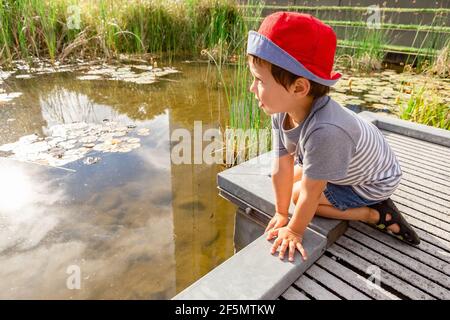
(408, 128)
(254, 274)
(246, 229)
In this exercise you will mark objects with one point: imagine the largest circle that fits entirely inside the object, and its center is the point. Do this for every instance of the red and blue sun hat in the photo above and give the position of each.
(297, 42)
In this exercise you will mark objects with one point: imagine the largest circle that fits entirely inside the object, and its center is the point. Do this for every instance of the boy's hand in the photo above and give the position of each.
(279, 220)
(288, 239)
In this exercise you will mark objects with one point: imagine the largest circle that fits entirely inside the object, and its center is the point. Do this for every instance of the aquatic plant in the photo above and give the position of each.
(106, 28)
(426, 106)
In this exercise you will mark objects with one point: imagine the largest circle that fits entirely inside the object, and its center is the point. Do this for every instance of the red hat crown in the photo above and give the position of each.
(305, 38)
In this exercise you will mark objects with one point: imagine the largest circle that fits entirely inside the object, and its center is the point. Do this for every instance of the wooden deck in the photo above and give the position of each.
(350, 268)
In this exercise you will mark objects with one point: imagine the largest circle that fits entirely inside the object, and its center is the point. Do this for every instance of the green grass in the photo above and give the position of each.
(353, 9)
(364, 49)
(440, 65)
(427, 107)
(38, 28)
(248, 126)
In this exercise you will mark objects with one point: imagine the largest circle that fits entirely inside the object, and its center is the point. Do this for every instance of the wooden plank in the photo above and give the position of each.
(314, 289)
(416, 144)
(400, 271)
(424, 190)
(442, 211)
(415, 219)
(420, 212)
(422, 155)
(434, 165)
(294, 294)
(443, 244)
(414, 265)
(412, 158)
(434, 169)
(335, 284)
(354, 279)
(419, 194)
(412, 167)
(440, 176)
(435, 187)
(423, 213)
(424, 252)
(386, 278)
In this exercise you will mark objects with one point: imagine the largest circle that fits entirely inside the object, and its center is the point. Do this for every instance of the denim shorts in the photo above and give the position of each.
(345, 197)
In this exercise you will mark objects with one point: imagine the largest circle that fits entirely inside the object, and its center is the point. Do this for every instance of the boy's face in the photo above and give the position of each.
(272, 96)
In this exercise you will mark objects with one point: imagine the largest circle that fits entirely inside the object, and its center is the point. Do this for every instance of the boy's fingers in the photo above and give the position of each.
(275, 246)
(269, 226)
(302, 250)
(291, 250)
(272, 233)
(283, 248)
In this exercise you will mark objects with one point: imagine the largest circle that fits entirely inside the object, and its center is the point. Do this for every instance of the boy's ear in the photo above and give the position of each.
(302, 86)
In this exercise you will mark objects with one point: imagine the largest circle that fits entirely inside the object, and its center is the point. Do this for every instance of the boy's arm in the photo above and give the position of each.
(307, 203)
(282, 181)
(291, 236)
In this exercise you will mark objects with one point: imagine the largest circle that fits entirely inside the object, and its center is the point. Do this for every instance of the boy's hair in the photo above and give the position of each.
(287, 78)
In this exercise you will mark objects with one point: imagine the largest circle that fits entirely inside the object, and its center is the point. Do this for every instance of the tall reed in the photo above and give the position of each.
(39, 28)
(426, 106)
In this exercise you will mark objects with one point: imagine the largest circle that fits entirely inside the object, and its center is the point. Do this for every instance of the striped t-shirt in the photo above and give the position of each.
(334, 144)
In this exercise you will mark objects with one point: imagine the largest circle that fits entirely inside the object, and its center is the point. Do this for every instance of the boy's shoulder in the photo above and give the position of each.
(334, 113)
(333, 117)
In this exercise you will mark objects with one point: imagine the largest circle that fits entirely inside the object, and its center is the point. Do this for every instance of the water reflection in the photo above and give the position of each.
(136, 225)
(64, 106)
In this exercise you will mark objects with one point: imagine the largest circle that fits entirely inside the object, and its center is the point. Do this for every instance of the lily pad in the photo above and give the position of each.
(133, 140)
(89, 77)
(143, 132)
(88, 139)
(6, 97)
(91, 160)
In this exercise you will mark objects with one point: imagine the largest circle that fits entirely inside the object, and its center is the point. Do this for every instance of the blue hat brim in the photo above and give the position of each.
(262, 47)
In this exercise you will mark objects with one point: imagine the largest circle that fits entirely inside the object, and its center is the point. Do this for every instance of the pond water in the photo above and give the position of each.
(133, 225)
(114, 209)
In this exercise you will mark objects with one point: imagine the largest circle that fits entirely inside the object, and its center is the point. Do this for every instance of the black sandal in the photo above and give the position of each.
(406, 232)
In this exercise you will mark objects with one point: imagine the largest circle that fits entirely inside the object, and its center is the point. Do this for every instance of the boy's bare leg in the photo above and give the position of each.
(327, 210)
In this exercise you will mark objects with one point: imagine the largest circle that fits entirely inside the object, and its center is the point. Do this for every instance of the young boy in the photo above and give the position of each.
(346, 169)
